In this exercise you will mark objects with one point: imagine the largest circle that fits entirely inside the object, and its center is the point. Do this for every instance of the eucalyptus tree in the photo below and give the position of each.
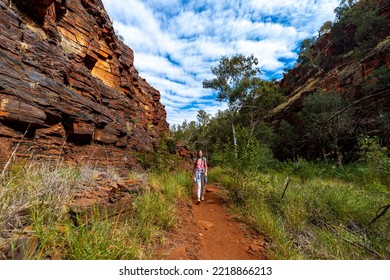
(234, 79)
(343, 7)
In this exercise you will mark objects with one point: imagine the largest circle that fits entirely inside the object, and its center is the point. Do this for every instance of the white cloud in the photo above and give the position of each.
(176, 42)
(189, 23)
(267, 51)
(160, 66)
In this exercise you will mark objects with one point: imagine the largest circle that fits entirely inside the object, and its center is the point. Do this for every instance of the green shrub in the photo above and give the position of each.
(154, 215)
(375, 157)
(100, 238)
(162, 158)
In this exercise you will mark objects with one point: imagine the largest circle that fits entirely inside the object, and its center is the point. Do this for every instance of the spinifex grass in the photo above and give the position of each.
(31, 191)
(101, 237)
(156, 210)
(34, 198)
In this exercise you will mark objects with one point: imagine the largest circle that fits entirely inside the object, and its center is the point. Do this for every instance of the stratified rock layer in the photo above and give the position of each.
(68, 86)
(337, 70)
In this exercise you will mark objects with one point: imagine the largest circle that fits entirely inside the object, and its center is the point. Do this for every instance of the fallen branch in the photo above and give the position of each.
(359, 245)
(380, 213)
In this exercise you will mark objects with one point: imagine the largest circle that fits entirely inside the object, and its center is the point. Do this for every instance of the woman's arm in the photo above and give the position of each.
(194, 169)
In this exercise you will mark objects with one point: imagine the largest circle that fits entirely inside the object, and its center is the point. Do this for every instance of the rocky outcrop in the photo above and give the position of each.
(114, 198)
(336, 67)
(353, 61)
(68, 86)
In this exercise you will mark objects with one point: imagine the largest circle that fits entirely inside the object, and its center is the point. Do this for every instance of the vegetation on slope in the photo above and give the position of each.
(36, 222)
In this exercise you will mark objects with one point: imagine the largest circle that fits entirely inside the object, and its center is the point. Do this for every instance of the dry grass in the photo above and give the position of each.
(34, 196)
(28, 187)
(66, 46)
(23, 47)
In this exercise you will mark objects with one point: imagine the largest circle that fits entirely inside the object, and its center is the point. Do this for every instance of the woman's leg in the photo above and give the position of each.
(199, 182)
(203, 185)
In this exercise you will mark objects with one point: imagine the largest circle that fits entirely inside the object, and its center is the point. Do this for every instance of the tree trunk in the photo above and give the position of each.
(324, 154)
(234, 141)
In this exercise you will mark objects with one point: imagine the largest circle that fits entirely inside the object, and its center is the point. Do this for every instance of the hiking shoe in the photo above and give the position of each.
(202, 197)
(198, 201)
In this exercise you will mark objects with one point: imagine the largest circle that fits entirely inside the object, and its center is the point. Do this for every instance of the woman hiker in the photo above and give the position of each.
(200, 172)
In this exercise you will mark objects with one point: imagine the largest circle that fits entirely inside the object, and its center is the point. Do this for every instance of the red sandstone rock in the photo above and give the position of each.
(340, 72)
(68, 86)
(114, 198)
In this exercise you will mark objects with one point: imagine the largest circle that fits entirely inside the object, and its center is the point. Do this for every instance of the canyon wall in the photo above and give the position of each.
(336, 66)
(68, 86)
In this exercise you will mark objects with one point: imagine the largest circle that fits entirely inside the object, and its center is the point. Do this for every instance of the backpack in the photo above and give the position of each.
(203, 159)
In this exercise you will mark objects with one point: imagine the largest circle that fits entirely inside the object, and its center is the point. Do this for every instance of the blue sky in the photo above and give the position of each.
(175, 42)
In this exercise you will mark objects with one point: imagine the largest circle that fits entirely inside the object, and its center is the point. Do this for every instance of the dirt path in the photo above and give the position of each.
(207, 232)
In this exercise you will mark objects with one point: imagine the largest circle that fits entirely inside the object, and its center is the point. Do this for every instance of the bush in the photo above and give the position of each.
(375, 157)
(324, 126)
(162, 159)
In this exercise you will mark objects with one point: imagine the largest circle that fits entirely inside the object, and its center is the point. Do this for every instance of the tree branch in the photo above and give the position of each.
(356, 102)
(380, 213)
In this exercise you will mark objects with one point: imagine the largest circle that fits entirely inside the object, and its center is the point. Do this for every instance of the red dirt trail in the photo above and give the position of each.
(207, 232)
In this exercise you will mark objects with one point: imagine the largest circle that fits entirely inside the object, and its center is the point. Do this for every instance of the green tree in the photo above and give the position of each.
(288, 140)
(187, 133)
(365, 22)
(234, 78)
(203, 118)
(368, 24)
(264, 95)
(219, 127)
(194, 134)
(325, 28)
(374, 156)
(233, 81)
(343, 7)
(308, 55)
(324, 126)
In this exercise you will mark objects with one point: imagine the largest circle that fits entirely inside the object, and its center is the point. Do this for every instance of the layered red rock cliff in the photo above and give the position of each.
(68, 86)
(339, 70)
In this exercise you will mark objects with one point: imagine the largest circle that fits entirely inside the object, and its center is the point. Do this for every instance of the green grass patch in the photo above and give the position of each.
(324, 213)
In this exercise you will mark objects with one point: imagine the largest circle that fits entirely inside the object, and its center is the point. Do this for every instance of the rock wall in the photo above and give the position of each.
(68, 86)
(348, 62)
(338, 69)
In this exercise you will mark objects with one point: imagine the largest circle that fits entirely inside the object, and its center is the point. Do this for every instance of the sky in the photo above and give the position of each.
(176, 42)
